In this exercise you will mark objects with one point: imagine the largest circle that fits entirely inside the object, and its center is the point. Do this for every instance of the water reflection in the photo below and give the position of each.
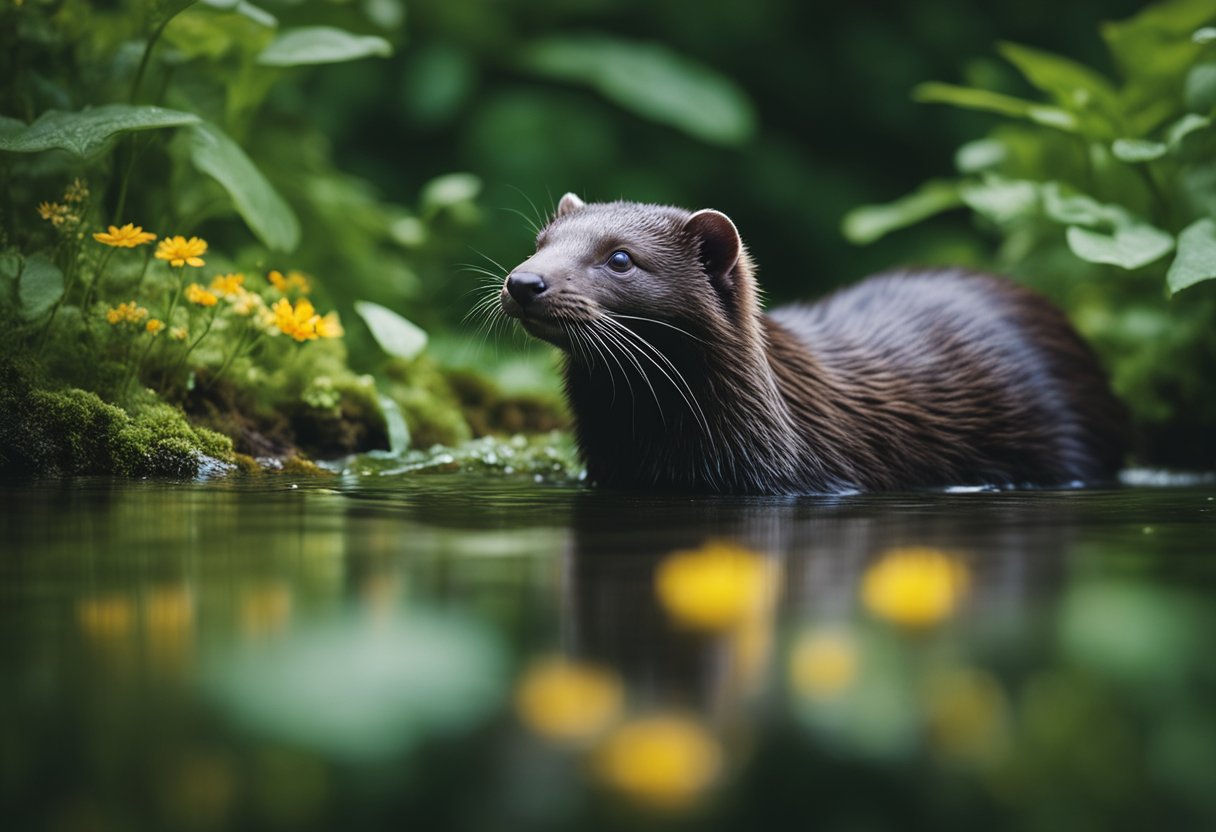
(269, 656)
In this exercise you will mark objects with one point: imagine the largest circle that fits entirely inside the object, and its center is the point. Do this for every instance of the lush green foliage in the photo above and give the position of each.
(1104, 195)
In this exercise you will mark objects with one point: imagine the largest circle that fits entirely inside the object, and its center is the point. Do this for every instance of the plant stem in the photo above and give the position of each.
(228, 361)
(138, 364)
(97, 276)
(214, 312)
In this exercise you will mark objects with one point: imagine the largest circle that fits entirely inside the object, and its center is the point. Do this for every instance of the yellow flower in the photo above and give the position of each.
(567, 700)
(56, 213)
(228, 285)
(129, 312)
(179, 333)
(78, 191)
(197, 294)
(129, 236)
(823, 665)
(716, 587)
(182, 252)
(663, 761)
(302, 321)
(330, 327)
(293, 280)
(914, 586)
(155, 326)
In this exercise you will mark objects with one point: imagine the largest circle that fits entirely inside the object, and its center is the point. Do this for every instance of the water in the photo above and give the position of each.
(488, 652)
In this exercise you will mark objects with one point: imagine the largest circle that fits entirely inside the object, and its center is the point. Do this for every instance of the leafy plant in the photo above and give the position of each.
(1103, 194)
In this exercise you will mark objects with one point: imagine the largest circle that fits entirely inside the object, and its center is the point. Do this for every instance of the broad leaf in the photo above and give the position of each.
(980, 155)
(1138, 150)
(651, 81)
(1129, 247)
(1070, 208)
(449, 189)
(1205, 35)
(395, 335)
(1200, 89)
(1184, 127)
(89, 132)
(1152, 50)
(321, 45)
(1001, 200)
(1196, 259)
(256, 200)
(971, 98)
(40, 286)
(1075, 87)
(868, 223)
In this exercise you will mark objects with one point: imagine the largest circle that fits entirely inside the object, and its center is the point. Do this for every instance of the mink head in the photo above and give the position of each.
(630, 261)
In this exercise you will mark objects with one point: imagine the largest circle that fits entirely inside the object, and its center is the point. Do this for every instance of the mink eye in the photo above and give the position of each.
(620, 262)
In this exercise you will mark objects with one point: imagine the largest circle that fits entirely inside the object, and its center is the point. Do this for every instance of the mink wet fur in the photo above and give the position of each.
(678, 380)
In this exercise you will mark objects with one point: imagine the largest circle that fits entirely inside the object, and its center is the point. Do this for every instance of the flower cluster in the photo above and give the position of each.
(303, 323)
(63, 214)
(294, 281)
(199, 296)
(129, 312)
(182, 252)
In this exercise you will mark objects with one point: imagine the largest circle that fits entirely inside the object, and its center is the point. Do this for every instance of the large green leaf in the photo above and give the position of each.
(652, 81)
(1073, 86)
(1068, 207)
(868, 223)
(1001, 200)
(395, 335)
(256, 200)
(40, 286)
(89, 132)
(1196, 260)
(1128, 247)
(321, 45)
(1134, 151)
(971, 98)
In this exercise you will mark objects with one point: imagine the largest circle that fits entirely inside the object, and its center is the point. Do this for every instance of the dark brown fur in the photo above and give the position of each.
(914, 379)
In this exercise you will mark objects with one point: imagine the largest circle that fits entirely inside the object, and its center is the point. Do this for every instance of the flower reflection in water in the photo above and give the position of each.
(915, 587)
(571, 701)
(823, 664)
(716, 587)
(661, 761)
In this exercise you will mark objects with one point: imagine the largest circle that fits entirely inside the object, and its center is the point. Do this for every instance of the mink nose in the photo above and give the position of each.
(524, 286)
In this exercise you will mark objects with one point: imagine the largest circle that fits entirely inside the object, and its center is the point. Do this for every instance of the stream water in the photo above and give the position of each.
(456, 650)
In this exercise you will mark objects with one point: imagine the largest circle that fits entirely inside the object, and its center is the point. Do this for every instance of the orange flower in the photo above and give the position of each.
(129, 236)
(228, 285)
(155, 326)
(182, 252)
(330, 326)
(293, 280)
(197, 294)
(299, 322)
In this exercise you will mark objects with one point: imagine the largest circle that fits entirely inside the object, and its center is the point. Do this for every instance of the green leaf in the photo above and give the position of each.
(1129, 247)
(1205, 35)
(10, 265)
(395, 335)
(321, 45)
(256, 200)
(1200, 89)
(448, 190)
(1184, 127)
(1068, 207)
(89, 132)
(652, 81)
(40, 286)
(1138, 150)
(980, 155)
(1074, 86)
(970, 98)
(1196, 260)
(867, 223)
(1001, 200)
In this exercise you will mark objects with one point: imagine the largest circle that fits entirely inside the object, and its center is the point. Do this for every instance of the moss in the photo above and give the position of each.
(430, 407)
(71, 431)
(489, 411)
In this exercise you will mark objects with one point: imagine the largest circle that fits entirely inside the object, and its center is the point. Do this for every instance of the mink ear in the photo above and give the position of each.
(720, 249)
(568, 203)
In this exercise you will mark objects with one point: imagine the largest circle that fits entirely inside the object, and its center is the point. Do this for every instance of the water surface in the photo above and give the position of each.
(476, 652)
